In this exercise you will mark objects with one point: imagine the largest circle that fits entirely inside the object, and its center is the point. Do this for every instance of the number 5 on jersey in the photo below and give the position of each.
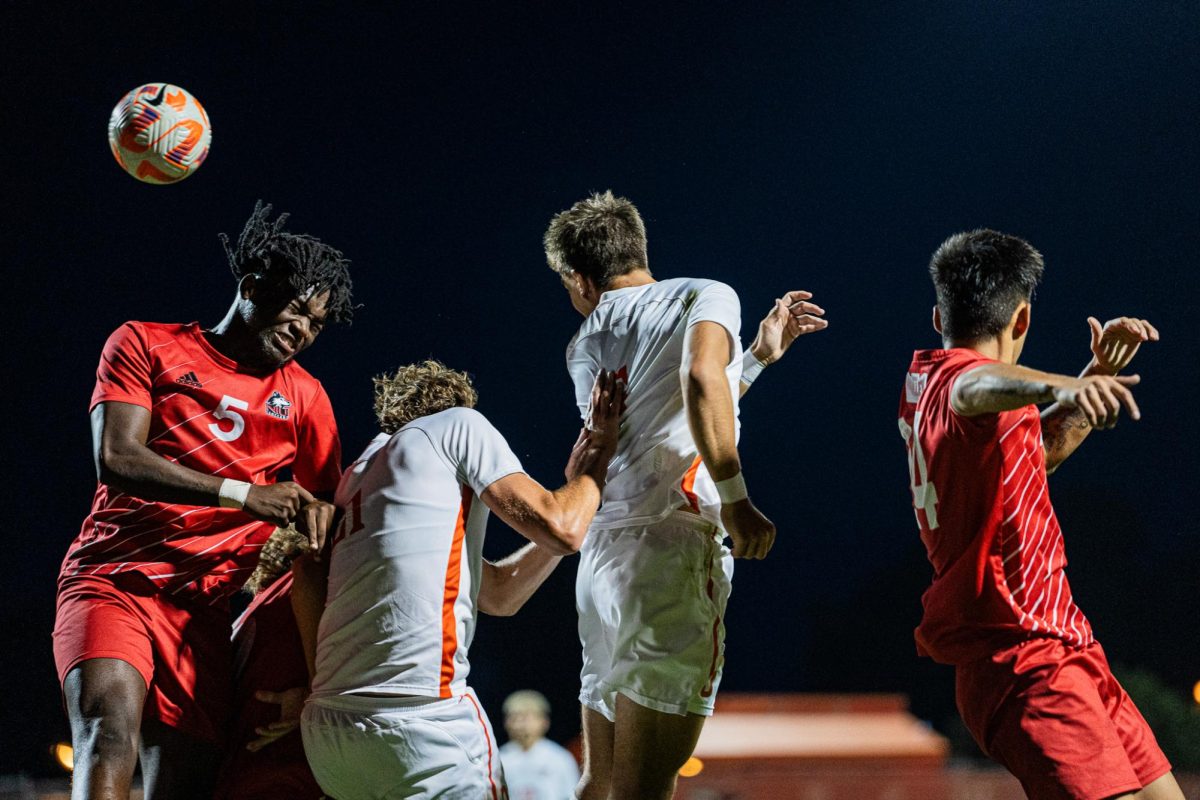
(224, 412)
(924, 494)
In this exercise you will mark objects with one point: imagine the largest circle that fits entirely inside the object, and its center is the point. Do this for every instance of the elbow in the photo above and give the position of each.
(495, 608)
(701, 376)
(958, 399)
(564, 540)
(112, 468)
(494, 602)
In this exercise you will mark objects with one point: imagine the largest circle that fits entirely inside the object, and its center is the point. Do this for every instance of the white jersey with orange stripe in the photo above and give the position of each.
(641, 332)
(405, 567)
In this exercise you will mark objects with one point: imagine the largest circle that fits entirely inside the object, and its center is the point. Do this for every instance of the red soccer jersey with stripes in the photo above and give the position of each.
(210, 415)
(983, 508)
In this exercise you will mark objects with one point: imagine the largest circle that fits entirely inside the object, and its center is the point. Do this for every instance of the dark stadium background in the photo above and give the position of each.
(822, 146)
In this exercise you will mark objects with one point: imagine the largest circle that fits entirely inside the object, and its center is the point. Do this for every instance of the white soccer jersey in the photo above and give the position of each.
(545, 771)
(640, 331)
(406, 562)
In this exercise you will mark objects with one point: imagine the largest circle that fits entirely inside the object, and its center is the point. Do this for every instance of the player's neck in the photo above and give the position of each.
(992, 348)
(638, 277)
(233, 339)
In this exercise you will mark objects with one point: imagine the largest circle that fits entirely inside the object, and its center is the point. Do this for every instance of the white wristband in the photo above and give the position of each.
(751, 367)
(233, 493)
(731, 490)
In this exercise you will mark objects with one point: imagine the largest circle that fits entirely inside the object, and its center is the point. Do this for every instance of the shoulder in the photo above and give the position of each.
(160, 330)
(450, 421)
(697, 286)
(302, 382)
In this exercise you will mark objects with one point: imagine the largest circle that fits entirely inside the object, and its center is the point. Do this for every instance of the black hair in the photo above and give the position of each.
(297, 260)
(981, 276)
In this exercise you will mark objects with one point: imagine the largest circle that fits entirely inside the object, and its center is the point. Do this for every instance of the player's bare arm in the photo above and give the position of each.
(123, 461)
(309, 587)
(506, 585)
(558, 520)
(709, 407)
(1113, 346)
(792, 316)
(1003, 387)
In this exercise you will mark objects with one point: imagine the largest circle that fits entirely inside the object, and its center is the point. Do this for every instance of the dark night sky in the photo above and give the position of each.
(802, 146)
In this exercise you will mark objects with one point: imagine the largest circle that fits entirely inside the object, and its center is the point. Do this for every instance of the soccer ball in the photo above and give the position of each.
(159, 133)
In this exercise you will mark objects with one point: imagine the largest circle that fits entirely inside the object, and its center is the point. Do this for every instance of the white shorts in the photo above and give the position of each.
(441, 748)
(651, 603)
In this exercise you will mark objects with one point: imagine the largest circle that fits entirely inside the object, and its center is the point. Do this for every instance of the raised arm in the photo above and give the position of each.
(1003, 387)
(791, 317)
(709, 406)
(1113, 346)
(557, 520)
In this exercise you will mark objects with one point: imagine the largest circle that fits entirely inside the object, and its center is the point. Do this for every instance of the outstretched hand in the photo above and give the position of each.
(791, 317)
(1100, 397)
(1116, 342)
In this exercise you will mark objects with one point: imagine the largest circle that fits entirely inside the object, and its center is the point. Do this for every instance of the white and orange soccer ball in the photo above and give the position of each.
(159, 133)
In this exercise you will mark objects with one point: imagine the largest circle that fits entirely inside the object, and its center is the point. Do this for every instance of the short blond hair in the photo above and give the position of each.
(418, 390)
(527, 700)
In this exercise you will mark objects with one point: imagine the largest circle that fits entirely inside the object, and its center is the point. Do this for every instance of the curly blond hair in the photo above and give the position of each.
(276, 557)
(418, 390)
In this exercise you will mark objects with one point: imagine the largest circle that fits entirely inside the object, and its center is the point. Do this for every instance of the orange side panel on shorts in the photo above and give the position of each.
(453, 578)
(479, 714)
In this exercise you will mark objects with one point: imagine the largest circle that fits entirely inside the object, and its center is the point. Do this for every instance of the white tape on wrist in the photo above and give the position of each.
(731, 490)
(233, 493)
(751, 367)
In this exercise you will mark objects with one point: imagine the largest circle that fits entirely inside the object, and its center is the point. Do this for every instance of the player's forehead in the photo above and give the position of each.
(313, 304)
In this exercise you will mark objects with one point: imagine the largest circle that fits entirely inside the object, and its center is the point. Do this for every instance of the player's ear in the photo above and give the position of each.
(1020, 320)
(937, 320)
(247, 286)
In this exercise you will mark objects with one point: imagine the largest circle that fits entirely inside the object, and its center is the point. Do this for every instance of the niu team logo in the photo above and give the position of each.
(189, 379)
(278, 406)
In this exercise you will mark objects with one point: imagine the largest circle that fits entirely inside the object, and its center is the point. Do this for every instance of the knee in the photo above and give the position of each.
(104, 728)
(105, 737)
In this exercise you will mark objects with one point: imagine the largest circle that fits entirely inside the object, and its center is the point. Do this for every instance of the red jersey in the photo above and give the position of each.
(983, 507)
(211, 415)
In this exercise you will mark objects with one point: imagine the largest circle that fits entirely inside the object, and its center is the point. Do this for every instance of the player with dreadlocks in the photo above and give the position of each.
(192, 429)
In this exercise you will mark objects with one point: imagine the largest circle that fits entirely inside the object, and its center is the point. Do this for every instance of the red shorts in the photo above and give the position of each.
(1057, 719)
(182, 653)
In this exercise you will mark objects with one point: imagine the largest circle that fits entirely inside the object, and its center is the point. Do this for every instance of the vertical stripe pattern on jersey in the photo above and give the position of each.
(450, 597)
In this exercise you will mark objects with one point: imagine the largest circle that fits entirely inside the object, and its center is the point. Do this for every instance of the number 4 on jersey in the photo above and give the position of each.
(924, 494)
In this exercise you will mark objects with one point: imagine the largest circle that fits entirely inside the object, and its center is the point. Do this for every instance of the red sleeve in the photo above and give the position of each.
(124, 371)
(318, 464)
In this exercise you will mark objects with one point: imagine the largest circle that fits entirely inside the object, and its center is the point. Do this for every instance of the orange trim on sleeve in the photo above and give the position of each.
(450, 597)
